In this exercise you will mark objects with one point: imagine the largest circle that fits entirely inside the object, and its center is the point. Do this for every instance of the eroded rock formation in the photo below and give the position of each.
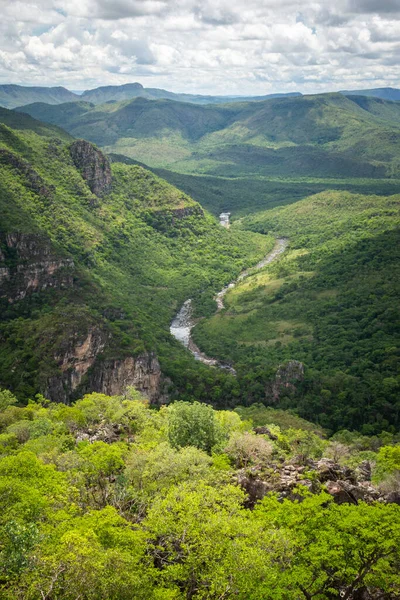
(345, 485)
(143, 372)
(285, 380)
(82, 368)
(93, 165)
(29, 264)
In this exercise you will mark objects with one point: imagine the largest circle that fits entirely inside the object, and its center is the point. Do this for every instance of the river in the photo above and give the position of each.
(183, 323)
(224, 219)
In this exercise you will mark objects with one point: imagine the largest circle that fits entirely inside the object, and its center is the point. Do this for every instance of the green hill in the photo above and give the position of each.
(384, 93)
(94, 262)
(12, 96)
(330, 302)
(316, 136)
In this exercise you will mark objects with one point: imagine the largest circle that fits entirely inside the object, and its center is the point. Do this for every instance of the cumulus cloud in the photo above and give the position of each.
(205, 46)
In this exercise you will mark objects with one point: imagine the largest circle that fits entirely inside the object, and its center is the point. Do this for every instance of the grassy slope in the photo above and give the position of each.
(330, 302)
(130, 253)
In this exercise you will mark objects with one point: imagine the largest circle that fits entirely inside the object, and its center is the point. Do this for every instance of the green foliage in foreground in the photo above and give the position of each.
(330, 302)
(148, 516)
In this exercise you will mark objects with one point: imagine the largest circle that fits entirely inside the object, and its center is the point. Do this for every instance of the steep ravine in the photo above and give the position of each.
(183, 323)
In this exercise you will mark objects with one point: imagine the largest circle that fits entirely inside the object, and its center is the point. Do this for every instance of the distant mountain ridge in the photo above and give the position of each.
(326, 135)
(13, 96)
(129, 91)
(386, 93)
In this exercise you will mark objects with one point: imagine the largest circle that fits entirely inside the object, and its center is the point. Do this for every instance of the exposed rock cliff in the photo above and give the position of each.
(29, 264)
(345, 485)
(285, 379)
(112, 377)
(82, 368)
(93, 165)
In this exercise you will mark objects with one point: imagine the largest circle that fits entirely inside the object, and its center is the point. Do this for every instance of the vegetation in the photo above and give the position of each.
(323, 136)
(100, 500)
(138, 253)
(329, 302)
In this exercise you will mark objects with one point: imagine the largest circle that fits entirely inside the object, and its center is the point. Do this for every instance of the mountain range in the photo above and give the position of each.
(322, 136)
(12, 96)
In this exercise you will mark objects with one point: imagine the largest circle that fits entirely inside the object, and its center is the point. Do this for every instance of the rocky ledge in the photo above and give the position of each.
(345, 485)
(29, 264)
(82, 368)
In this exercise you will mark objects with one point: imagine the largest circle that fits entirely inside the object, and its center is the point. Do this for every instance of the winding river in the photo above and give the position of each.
(183, 323)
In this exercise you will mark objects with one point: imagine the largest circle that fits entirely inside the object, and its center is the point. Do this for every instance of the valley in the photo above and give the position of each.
(183, 323)
(265, 167)
(199, 300)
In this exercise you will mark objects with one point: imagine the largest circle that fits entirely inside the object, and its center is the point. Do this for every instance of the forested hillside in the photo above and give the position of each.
(331, 302)
(95, 261)
(247, 157)
(327, 135)
(108, 499)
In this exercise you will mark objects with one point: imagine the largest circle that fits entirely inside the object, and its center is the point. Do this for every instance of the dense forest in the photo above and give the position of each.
(111, 499)
(331, 302)
(125, 262)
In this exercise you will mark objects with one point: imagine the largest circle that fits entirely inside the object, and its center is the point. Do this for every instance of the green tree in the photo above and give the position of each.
(193, 425)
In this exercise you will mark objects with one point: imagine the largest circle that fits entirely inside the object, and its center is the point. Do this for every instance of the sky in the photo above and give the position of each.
(205, 46)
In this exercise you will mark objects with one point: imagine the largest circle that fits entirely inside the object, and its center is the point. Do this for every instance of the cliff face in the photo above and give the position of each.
(28, 264)
(285, 380)
(93, 165)
(81, 368)
(142, 372)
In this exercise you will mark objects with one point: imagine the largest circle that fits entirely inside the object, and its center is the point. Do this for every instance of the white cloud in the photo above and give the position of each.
(207, 46)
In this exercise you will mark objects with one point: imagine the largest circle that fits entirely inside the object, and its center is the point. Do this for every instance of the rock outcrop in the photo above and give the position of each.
(29, 264)
(284, 381)
(83, 369)
(143, 372)
(93, 165)
(345, 485)
(74, 358)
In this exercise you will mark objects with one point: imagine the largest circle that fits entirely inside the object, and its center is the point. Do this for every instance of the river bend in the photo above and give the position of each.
(183, 323)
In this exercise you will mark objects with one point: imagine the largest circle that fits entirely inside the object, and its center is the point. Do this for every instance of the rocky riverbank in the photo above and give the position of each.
(183, 323)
